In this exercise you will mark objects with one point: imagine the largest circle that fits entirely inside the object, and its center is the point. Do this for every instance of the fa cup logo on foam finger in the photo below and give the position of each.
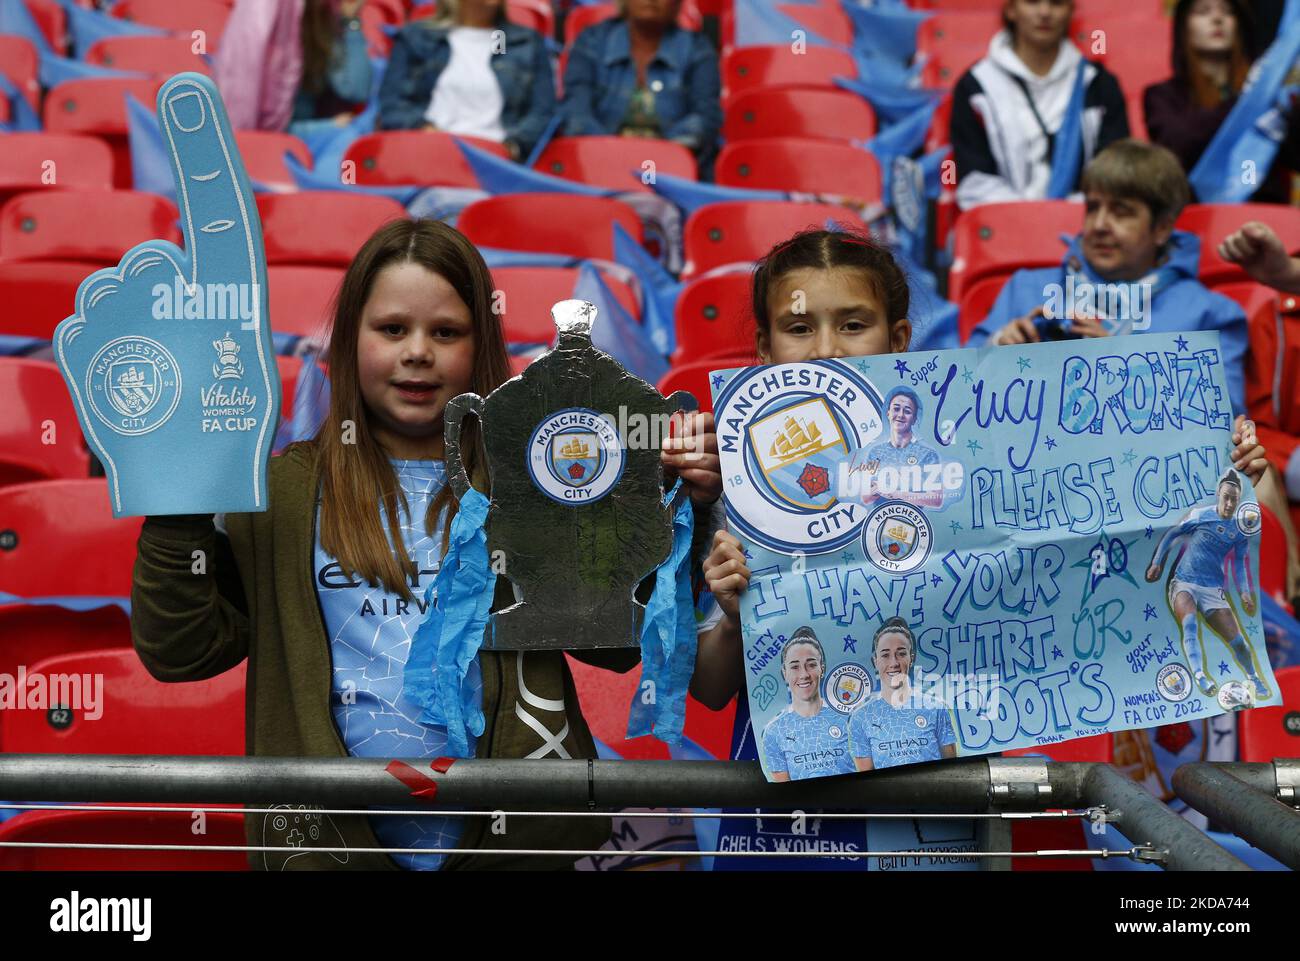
(180, 404)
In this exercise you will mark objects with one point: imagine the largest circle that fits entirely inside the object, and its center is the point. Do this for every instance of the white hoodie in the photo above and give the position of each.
(1011, 161)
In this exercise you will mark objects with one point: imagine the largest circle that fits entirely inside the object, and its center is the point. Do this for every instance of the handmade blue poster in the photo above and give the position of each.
(169, 357)
(962, 552)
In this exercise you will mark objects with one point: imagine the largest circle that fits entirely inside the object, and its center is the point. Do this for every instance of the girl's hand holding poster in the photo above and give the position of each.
(964, 552)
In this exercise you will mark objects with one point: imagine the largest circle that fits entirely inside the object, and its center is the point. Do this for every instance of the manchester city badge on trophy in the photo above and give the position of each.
(169, 357)
(577, 516)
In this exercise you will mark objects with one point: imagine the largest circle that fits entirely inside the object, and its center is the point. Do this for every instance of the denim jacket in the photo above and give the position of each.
(523, 69)
(600, 79)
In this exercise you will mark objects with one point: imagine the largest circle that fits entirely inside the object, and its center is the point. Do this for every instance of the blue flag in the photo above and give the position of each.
(1067, 152)
(15, 18)
(55, 70)
(760, 23)
(659, 291)
(497, 175)
(891, 104)
(85, 27)
(151, 169)
(690, 195)
(616, 332)
(1248, 139)
(890, 31)
(22, 117)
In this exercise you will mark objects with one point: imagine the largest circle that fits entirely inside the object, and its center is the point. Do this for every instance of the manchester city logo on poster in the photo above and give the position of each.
(897, 537)
(847, 687)
(1249, 519)
(133, 384)
(783, 437)
(575, 457)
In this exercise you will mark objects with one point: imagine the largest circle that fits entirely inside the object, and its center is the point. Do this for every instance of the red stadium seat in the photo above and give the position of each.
(392, 12)
(29, 633)
(263, 153)
(959, 6)
(1001, 238)
(98, 106)
(779, 66)
(1137, 118)
(743, 231)
(528, 293)
(549, 223)
(713, 318)
(793, 112)
(49, 17)
(956, 29)
(1265, 733)
(49, 161)
(581, 17)
(202, 717)
(65, 540)
(39, 435)
(534, 14)
(940, 126)
(694, 377)
(422, 157)
(792, 164)
(222, 828)
(1134, 46)
(977, 301)
(1272, 556)
(162, 56)
(1214, 222)
(20, 64)
(324, 227)
(945, 64)
(51, 225)
(615, 162)
(38, 295)
(300, 298)
(209, 16)
(826, 20)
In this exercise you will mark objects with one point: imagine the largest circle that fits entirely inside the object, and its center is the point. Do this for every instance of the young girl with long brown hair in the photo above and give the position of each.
(322, 593)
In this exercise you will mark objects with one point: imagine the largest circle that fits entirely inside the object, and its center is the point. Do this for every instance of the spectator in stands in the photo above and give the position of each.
(259, 63)
(470, 72)
(336, 70)
(1129, 270)
(290, 60)
(641, 75)
(1008, 110)
(1212, 53)
(1261, 254)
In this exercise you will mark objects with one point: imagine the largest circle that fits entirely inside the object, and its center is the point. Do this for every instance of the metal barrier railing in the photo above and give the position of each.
(1252, 811)
(992, 791)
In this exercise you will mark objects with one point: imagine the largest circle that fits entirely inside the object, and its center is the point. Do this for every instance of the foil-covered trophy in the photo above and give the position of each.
(577, 517)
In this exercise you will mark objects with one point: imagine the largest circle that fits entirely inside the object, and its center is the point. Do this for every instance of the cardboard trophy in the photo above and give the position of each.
(577, 516)
(169, 358)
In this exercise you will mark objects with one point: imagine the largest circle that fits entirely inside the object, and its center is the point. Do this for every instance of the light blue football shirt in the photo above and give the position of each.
(370, 635)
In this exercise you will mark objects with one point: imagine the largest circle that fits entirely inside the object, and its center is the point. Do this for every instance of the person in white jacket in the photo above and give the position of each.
(1008, 109)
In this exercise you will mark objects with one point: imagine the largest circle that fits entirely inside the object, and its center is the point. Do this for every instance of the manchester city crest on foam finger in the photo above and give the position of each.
(169, 356)
(783, 434)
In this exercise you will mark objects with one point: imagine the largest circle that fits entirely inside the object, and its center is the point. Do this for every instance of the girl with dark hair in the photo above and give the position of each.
(1214, 46)
(322, 593)
(335, 66)
(820, 295)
